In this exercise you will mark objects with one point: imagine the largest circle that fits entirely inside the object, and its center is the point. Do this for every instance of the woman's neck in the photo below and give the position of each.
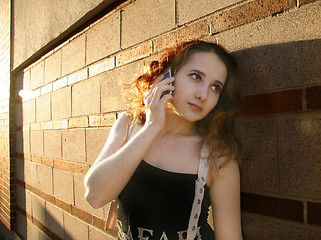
(177, 124)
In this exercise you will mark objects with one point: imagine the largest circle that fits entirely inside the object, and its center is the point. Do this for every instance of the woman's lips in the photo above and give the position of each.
(196, 107)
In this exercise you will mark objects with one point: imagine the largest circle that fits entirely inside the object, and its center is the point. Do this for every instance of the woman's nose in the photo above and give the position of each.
(202, 93)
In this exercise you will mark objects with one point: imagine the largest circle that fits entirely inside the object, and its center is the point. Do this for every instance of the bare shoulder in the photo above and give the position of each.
(226, 174)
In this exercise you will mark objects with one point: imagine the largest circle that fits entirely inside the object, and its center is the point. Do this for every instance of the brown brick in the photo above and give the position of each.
(85, 216)
(314, 213)
(79, 122)
(95, 121)
(73, 55)
(63, 205)
(301, 2)
(73, 145)
(108, 120)
(85, 97)
(313, 97)
(71, 166)
(273, 207)
(61, 103)
(248, 12)
(95, 141)
(277, 102)
(133, 54)
(101, 43)
(52, 67)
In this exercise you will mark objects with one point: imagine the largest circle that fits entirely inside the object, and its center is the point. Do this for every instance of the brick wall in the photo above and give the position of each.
(74, 98)
(6, 163)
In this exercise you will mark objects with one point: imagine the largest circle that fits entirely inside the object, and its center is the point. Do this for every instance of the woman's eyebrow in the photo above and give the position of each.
(203, 73)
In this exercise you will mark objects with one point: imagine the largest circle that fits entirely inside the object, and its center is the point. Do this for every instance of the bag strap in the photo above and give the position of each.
(199, 193)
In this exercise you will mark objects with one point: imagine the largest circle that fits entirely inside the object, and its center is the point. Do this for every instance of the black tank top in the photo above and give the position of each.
(156, 205)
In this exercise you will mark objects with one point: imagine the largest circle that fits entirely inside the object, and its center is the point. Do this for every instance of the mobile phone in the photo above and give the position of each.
(168, 74)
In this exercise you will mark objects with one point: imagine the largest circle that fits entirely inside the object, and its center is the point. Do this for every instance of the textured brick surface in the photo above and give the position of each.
(255, 227)
(36, 143)
(85, 97)
(31, 173)
(73, 55)
(36, 75)
(21, 225)
(80, 201)
(43, 108)
(299, 153)
(99, 235)
(190, 10)
(196, 30)
(95, 141)
(314, 210)
(52, 67)
(44, 177)
(101, 43)
(278, 102)
(52, 144)
(78, 122)
(54, 220)
(144, 19)
(313, 97)
(29, 111)
(134, 54)
(38, 208)
(111, 99)
(61, 103)
(258, 163)
(74, 228)
(73, 145)
(274, 207)
(63, 186)
(248, 12)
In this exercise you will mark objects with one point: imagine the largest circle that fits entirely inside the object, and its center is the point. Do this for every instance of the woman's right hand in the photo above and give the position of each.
(155, 103)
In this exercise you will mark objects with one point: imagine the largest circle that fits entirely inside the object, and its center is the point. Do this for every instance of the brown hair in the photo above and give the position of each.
(217, 127)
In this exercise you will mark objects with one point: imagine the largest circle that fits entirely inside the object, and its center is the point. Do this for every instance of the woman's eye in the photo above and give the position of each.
(196, 76)
(216, 88)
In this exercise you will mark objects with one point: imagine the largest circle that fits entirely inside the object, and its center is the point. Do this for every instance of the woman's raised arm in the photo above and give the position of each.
(117, 162)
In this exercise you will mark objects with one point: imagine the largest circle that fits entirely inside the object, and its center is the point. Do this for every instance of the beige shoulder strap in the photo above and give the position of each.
(199, 193)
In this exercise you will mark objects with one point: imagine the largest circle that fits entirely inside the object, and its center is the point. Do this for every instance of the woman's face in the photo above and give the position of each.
(198, 84)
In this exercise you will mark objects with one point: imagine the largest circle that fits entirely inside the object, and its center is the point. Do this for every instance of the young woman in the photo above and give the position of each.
(151, 159)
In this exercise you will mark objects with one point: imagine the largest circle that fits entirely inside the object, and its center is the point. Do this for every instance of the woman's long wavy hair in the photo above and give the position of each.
(216, 128)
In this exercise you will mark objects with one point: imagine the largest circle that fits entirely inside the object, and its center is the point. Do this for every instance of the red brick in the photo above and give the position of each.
(313, 97)
(277, 102)
(273, 207)
(314, 213)
(248, 12)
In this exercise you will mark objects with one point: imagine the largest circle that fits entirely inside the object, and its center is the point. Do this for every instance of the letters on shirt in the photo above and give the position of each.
(144, 234)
